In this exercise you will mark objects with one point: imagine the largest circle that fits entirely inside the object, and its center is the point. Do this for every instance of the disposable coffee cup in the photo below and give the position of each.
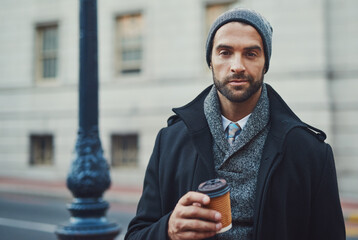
(219, 192)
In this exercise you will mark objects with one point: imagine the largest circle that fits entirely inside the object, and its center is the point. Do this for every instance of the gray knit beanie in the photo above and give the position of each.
(247, 16)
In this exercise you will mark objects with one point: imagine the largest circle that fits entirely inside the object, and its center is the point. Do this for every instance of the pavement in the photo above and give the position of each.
(129, 196)
(116, 193)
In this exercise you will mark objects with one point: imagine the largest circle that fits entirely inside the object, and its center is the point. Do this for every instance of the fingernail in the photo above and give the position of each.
(206, 199)
(217, 216)
(218, 226)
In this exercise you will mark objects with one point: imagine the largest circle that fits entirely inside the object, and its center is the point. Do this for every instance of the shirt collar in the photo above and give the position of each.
(242, 122)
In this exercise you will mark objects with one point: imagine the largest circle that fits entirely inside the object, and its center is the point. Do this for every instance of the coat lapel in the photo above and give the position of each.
(193, 116)
(205, 168)
(282, 120)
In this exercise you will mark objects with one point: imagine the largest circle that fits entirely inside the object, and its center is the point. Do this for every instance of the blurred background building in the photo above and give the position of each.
(151, 59)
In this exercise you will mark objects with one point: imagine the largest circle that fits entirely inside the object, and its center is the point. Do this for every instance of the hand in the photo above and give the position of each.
(190, 220)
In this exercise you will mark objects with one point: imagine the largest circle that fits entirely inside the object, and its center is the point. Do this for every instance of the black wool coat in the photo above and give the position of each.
(297, 195)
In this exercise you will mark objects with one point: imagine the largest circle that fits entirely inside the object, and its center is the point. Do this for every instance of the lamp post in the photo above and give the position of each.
(89, 176)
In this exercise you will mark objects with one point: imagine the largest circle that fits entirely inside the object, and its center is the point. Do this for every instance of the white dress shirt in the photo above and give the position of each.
(242, 122)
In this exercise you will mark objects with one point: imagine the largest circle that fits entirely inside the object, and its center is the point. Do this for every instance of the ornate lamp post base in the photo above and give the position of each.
(87, 180)
(88, 221)
(86, 231)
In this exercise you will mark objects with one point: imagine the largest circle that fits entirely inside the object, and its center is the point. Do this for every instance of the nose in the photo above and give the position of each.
(237, 65)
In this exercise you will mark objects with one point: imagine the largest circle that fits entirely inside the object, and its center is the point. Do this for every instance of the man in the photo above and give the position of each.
(281, 173)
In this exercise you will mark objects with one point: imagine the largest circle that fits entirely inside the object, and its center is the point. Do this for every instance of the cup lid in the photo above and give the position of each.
(214, 187)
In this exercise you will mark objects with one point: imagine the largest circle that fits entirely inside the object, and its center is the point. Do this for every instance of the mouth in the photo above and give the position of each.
(238, 82)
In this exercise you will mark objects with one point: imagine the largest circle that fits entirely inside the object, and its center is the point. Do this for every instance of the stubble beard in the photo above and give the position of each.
(228, 93)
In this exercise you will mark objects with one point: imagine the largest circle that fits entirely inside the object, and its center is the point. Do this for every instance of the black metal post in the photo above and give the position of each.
(89, 176)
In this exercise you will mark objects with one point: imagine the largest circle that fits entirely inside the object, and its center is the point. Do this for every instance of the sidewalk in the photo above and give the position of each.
(130, 196)
(115, 193)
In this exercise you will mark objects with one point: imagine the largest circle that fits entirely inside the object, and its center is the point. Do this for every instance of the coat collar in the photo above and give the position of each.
(282, 118)
(193, 113)
(256, 123)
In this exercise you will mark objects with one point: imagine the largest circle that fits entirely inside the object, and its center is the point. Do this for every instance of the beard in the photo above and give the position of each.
(223, 87)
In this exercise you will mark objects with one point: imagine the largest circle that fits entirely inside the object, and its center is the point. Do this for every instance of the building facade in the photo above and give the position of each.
(151, 59)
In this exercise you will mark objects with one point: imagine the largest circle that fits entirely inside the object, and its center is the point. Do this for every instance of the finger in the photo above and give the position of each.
(191, 197)
(194, 212)
(195, 225)
(197, 204)
(192, 235)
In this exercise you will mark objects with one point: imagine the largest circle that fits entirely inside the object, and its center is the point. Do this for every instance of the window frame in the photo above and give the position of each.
(129, 67)
(39, 53)
(118, 151)
(48, 150)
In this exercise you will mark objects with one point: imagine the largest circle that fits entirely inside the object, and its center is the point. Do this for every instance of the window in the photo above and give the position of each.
(213, 11)
(124, 150)
(129, 43)
(41, 150)
(46, 53)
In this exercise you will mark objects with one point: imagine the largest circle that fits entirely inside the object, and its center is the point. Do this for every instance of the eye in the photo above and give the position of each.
(224, 52)
(251, 54)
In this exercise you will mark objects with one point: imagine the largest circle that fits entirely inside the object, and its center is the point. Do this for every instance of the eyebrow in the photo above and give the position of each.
(254, 47)
(223, 46)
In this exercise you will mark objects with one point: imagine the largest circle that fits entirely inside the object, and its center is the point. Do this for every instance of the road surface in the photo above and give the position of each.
(25, 217)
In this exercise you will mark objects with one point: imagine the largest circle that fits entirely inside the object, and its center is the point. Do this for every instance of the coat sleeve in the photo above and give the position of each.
(150, 222)
(327, 218)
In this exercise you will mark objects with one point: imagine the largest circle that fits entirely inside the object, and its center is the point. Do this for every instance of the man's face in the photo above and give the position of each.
(237, 62)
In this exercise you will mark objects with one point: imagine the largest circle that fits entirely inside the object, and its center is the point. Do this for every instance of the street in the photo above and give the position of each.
(25, 217)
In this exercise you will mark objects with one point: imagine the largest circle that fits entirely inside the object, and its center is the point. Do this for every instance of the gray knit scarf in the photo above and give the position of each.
(239, 164)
